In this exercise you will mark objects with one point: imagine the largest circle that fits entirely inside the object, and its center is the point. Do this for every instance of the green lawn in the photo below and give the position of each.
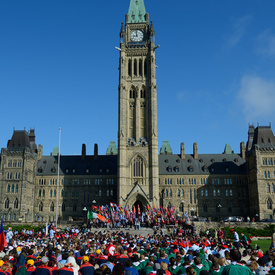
(263, 244)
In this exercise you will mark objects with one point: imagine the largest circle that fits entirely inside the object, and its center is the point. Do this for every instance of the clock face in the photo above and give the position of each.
(137, 36)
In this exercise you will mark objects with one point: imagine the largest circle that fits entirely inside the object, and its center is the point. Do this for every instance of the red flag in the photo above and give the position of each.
(3, 241)
(138, 210)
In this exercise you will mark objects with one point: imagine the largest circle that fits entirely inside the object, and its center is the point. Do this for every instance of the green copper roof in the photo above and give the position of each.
(165, 149)
(55, 151)
(137, 12)
(227, 149)
(112, 149)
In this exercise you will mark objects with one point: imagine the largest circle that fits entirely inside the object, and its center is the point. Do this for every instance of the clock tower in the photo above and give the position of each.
(138, 168)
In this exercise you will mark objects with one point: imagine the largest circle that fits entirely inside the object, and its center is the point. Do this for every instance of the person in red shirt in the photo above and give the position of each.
(43, 268)
(86, 268)
(30, 267)
(122, 258)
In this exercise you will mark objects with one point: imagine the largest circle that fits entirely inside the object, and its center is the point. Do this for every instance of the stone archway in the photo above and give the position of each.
(138, 199)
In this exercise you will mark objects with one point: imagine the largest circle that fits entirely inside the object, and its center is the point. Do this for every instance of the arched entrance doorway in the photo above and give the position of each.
(139, 208)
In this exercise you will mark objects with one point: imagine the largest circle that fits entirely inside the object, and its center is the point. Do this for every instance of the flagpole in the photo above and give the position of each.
(57, 187)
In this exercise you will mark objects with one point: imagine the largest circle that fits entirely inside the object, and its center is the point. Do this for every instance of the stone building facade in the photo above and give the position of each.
(135, 173)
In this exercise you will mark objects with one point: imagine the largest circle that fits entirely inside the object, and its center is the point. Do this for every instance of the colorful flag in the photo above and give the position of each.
(92, 215)
(3, 241)
(46, 230)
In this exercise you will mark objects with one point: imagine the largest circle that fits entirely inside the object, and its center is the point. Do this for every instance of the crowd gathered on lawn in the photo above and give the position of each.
(105, 251)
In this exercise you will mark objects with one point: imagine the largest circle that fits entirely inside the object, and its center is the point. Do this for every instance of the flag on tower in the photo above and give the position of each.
(3, 241)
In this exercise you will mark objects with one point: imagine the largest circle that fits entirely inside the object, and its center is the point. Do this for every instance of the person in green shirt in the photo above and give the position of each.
(235, 268)
(243, 239)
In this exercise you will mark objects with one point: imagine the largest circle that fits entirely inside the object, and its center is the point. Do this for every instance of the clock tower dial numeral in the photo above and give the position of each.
(137, 36)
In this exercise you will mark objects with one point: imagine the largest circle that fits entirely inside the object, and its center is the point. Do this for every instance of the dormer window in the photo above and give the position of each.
(169, 169)
(176, 169)
(40, 170)
(190, 168)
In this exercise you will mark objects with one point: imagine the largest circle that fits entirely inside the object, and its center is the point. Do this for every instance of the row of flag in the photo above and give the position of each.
(115, 212)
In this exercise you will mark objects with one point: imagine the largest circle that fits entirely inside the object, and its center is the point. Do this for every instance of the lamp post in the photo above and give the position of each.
(85, 214)
(94, 203)
(219, 207)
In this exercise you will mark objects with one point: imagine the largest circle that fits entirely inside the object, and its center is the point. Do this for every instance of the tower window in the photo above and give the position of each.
(130, 67)
(142, 94)
(135, 67)
(140, 67)
(145, 67)
(132, 93)
(138, 167)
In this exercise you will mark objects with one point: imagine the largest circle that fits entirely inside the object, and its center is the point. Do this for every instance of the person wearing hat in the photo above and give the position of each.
(30, 267)
(86, 268)
(43, 268)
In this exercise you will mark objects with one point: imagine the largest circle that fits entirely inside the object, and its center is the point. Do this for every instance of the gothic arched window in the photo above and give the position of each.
(9, 188)
(178, 193)
(181, 207)
(63, 207)
(218, 208)
(16, 188)
(269, 204)
(74, 207)
(16, 203)
(137, 167)
(135, 67)
(7, 203)
(52, 207)
(182, 192)
(140, 67)
(268, 188)
(12, 188)
(130, 67)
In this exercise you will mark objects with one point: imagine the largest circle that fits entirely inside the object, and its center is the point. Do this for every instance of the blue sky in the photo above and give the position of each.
(59, 68)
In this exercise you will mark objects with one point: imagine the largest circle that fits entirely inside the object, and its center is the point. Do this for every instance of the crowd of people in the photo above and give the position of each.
(106, 252)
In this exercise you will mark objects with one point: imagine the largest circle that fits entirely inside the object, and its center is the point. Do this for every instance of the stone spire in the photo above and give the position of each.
(137, 12)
